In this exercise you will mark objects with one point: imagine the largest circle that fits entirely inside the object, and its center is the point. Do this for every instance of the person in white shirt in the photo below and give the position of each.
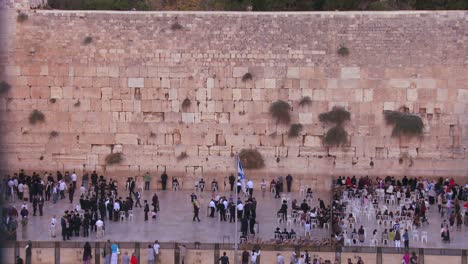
(156, 248)
(99, 224)
(62, 188)
(279, 259)
(212, 208)
(20, 190)
(253, 259)
(74, 178)
(53, 224)
(82, 190)
(263, 186)
(250, 187)
(24, 205)
(240, 210)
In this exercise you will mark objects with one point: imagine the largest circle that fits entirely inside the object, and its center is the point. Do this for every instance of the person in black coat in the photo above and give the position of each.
(232, 180)
(87, 253)
(146, 210)
(289, 180)
(164, 180)
(244, 225)
(251, 225)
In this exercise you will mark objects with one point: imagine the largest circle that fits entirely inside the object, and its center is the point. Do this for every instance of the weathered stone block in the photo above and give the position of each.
(136, 82)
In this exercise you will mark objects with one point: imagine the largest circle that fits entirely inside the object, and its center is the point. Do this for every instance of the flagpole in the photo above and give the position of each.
(235, 214)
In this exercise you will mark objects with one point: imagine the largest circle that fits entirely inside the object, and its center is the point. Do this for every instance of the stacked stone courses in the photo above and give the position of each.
(123, 92)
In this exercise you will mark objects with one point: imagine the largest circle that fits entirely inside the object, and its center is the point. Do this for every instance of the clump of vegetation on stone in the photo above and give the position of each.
(343, 51)
(22, 17)
(152, 134)
(294, 130)
(182, 156)
(176, 26)
(52, 100)
(186, 104)
(279, 110)
(305, 101)
(404, 123)
(87, 40)
(247, 77)
(114, 158)
(335, 137)
(36, 116)
(4, 87)
(338, 115)
(53, 134)
(251, 159)
(77, 104)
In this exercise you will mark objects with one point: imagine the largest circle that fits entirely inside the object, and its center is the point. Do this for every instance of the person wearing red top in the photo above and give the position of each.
(451, 182)
(134, 259)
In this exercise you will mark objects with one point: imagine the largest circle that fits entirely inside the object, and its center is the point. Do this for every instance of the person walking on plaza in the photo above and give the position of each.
(279, 259)
(87, 253)
(182, 253)
(224, 259)
(254, 257)
(150, 252)
(126, 258)
(107, 252)
(28, 252)
(196, 210)
(289, 180)
(164, 180)
(147, 179)
(245, 257)
(71, 192)
(406, 239)
(156, 248)
(146, 210)
(134, 259)
(137, 195)
(397, 239)
(115, 253)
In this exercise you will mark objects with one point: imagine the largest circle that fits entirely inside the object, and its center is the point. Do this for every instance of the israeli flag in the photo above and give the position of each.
(240, 170)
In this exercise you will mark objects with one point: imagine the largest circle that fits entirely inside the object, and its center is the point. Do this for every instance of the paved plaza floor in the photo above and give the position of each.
(173, 223)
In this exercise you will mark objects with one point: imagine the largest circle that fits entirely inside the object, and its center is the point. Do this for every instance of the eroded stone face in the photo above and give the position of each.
(126, 91)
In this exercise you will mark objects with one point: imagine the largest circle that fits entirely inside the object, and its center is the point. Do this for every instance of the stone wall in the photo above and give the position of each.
(123, 91)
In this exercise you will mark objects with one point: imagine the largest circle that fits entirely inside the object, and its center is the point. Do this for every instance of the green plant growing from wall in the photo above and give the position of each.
(182, 156)
(337, 135)
(87, 40)
(305, 101)
(36, 116)
(294, 130)
(114, 158)
(52, 100)
(22, 17)
(176, 26)
(404, 124)
(279, 110)
(4, 87)
(343, 51)
(251, 159)
(77, 104)
(247, 77)
(53, 134)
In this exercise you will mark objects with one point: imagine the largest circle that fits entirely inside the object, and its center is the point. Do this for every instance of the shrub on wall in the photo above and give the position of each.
(176, 26)
(305, 101)
(36, 116)
(182, 156)
(52, 100)
(338, 115)
(294, 130)
(404, 123)
(335, 137)
(247, 77)
(4, 87)
(343, 51)
(251, 159)
(87, 40)
(78, 103)
(114, 158)
(22, 17)
(279, 110)
(53, 134)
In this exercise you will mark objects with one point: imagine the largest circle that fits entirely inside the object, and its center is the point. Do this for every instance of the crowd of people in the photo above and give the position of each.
(398, 207)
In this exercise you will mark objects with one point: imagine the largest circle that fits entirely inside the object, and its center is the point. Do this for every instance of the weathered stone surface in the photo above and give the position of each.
(112, 93)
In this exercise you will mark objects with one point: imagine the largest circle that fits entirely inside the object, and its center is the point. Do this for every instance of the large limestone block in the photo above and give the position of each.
(238, 72)
(293, 72)
(136, 82)
(131, 139)
(350, 73)
(56, 92)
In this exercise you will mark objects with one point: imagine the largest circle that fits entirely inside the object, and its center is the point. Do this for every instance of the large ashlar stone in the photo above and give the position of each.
(293, 73)
(350, 73)
(56, 92)
(126, 139)
(136, 82)
(238, 72)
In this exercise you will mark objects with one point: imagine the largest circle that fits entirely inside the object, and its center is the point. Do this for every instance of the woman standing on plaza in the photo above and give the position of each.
(87, 253)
